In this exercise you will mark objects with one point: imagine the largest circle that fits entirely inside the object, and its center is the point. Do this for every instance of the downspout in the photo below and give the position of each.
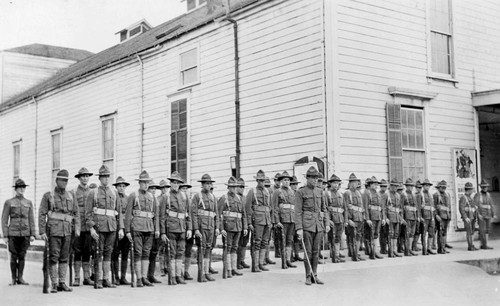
(236, 93)
(325, 101)
(36, 155)
(141, 148)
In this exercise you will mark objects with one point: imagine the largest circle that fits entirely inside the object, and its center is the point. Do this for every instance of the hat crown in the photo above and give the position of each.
(353, 177)
(144, 176)
(334, 178)
(260, 175)
(241, 182)
(295, 180)
(469, 185)
(206, 178)
(104, 170)
(409, 181)
(121, 180)
(442, 184)
(163, 183)
(312, 172)
(176, 176)
(483, 183)
(394, 181)
(285, 175)
(232, 182)
(62, 174)
(426, 182)
(383, 182)
(19, 183)
(277, 176)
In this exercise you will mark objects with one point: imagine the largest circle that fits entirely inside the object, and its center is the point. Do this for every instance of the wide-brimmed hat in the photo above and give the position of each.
(334, 178)
(62, 174)
(409, 182)
(383, 183)
(185, 185)
(368, 181)
(176, 176)
(144, 177)
(83, 171)
(285, 175)
(104, 171)
(418, 184)
(426, 182)
(442, 184)
(312, 172)
(469, 185)
(261, 176)
(395, 182)
(484, 183)
(154, 185)
(20, 184)
(353, 178)
(374, 180)
(241, 182)
(164, 184)
(120, 180)
(206, 178)
(294, 181)
(267, 182)
(321, 177)
(232, 182)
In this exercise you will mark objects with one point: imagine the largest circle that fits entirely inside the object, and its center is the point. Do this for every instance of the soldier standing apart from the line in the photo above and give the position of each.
(338, 216)
(177, 222)
(376, 217)
(419, 228)
(484, 205)
(142, 226)
(411, 216)
(244, 239)
(104, 218)
(283, 203)
(312, 221)
(442, 201)
(394, 212)
(153, 254)
(122, 246)
(18, 227)
(58, 210)
(162, 197)
(429, 215)
(356, 216)
(294, 184)
(204, 206)
(82, 246)
(467, 210)
(233, 222)
(384, 229)
(259, 208)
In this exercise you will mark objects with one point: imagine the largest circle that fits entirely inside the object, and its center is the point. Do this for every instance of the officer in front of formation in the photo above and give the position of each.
(58, 210)
(18, 227)
(311, 222)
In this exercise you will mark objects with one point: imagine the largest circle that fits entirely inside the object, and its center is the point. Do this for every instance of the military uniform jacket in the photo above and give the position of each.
(411, 207)
(175, 213)
(121, 200)
(58, 210)
(18, 219)
(283, 204)
(336, 207)
(354, 202)
(428, 209)
(80, 195)
(259, 206)
(467, 207)
(373, 205)
(103, 210)
(142, 214)
(394, 207)
(204, 209)
(484, 204)
(310, 210)
(232, 213)
(442, 203)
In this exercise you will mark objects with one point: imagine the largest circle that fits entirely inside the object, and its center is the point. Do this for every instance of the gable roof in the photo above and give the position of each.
(52, 51)
(156, 36)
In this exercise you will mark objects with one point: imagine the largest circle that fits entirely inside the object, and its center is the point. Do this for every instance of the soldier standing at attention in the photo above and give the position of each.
(142, 226)
(153, 254)
(312, 222)
(164, 193)
(82, 246)
(442, 201)
(376, 217)
(283, 210)
(122, 246)
(204, 206)
(294, 184)
(411, 216)
(356, 216)
(467, 210)
(244, 239)
(259, 207)
(58, 210)
(18, 227)
(338, 215)
(402, 225)
(177, 223)
(419, 228)
(384, 229)
(484, 205)
(394, 213)
(276, 237)
(429, 215)
(186, 260)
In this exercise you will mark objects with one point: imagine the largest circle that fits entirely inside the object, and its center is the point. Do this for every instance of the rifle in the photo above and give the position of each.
(201, 251)
(46, 267)
(168, 262)
(307, 259)
(132, 265)
(282, 247)
(224, 257)
(252, 250)
(96, 263)
(71, 257)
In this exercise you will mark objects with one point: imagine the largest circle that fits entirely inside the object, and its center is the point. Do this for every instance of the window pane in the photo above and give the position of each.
(418, 120)
(182, 105)
(17, 159)
(182, 144)
(175, 116)
(411, 139)
(182, 121)
(404, 119)
(108, 141)
(440, 53)
(440, 15)
(190, 76)
(420, 139)
(182, 168)
(189, 59)
(191, 4)
(173, 141)
(414, 165)
(405, 137)
(411, 119)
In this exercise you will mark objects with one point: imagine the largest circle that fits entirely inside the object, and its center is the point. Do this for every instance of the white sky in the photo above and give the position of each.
(82, 24)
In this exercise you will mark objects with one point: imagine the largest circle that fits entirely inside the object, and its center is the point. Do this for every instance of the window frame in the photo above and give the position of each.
(18, 144)
(59, 132)
(181, 71)
(197, 5)
(176, 132)
(422, 150)
(104, 160)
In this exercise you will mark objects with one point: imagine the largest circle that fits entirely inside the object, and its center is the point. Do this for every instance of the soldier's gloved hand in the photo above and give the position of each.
(300, 233)
(250, 227)
(157, 234)
(43, 236)
(129, 237)
(351, 223)
(32, 238)
(163, 237)
(189, 234)
(217, 232)
(245, 232)
(197, 233)
(438, 218)
(369, 222)
(279, 225)
(327, 228)
(383, 222)
(120, 234)
(94, 234)
(224, 233)
(467, 220)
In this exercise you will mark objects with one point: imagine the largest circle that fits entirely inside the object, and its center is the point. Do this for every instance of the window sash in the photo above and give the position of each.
(189, 67)
(178, 137)
(108, 140)
(414, 164)
(440, 12)
(441, 53)
(412, 128)
(56, 151)
(16, 150)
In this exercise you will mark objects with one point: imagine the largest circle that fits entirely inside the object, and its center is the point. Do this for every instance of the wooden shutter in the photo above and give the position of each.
(394, 145)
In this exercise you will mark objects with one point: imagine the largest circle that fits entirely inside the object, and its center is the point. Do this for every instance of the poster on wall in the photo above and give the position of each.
(465, 170)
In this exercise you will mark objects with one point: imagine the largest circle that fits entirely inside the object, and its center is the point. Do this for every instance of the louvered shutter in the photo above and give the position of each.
(394, 145)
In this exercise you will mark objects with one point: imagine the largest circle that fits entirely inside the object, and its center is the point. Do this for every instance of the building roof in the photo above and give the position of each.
(52, 51)
(156, 36)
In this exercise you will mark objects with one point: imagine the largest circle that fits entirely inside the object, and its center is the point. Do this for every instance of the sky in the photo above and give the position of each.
(82, 24)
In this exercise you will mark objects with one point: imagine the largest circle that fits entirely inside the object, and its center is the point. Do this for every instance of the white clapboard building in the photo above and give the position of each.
(390, 88)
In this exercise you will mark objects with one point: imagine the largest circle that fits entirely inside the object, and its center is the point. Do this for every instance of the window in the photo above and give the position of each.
(441, 37)
(178, 144)
(16, 146)
(56, 153)
(108, 142)
(192, 4)
(412, 130)
(189, 67)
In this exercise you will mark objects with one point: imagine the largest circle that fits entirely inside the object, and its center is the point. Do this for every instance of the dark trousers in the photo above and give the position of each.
(442, 232)
(484, 229)
(289, 230)
(143, 241)
(59, 249)
(394, 230)
(469, 231)
(155, 246)
(231, 241)
(123, 248)
(372, 232)
(82, 247)
(18, 246)
(106, 244)
(335, 234)
(177, 245)
(207, 237)
(262, 236)
(312, 242)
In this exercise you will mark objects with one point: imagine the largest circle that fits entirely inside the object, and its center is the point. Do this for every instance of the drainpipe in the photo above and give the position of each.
(141, 148)
(36, 157)
(237, 93)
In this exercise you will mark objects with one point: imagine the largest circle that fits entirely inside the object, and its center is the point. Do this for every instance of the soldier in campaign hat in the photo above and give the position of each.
(394, 213)
(355, 217)
(338, 216)
(428, 213)
(467, 209)
(82, 245)
(484, 204)
(419, 228)
(244, 239)
(164, 186)
(58, 210)
(155, 247)
(442, 201)
(18, 227)
(375, 212)
(384, 229)
(275, 236)
(312, 222)
(142, 226)
(296, 243)
(411, 214)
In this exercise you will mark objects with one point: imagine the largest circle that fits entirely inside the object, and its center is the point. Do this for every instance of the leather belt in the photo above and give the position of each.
(429, 208)
(207, 213)
(470, 209)
(143, 214)
(287, 206)
(442, 207)
(262, 208)
(232, 214)
(375, 207)
(60, 216)
(356, 208)
(105, 212)
(174, 214)
(336, 209)
(394, 209)
(411, 208)
(485, 206)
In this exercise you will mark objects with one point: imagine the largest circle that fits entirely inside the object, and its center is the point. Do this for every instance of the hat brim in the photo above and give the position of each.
(62, 178)
(20, 186)
(185, 185)
(120, 183)
(285, 176)
(206, 181)
(175, 179)
(484, 185)
(86, 173)
(143, 180)
(259, 178)
(232, 185)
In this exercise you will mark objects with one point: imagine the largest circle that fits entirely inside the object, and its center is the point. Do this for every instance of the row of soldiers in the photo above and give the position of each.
(75, 221)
